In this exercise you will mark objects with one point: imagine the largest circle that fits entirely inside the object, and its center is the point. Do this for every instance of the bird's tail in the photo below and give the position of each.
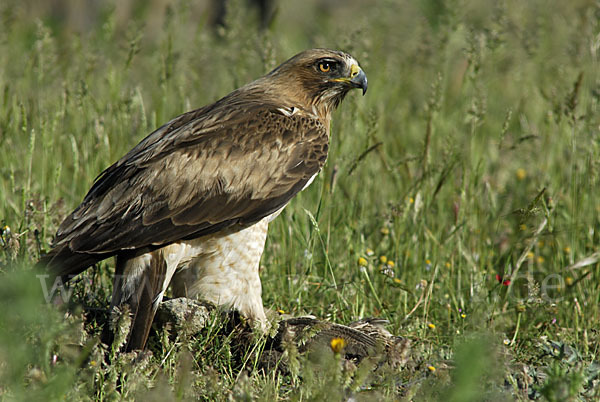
(64, 263)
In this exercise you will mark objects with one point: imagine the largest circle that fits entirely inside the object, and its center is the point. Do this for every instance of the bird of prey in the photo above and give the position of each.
(190, 204)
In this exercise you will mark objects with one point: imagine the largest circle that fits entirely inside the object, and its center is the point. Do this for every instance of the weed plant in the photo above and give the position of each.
(460, 200)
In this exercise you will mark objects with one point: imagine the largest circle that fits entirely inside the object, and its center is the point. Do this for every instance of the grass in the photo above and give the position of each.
(460, 200)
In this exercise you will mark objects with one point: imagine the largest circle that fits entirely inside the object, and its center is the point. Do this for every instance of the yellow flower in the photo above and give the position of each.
(385, 231)
(448, 265)
(569, 281)
(383, 259)
(431, 326)
(337, 345)
(521, 174)
(362, 261)
(431, 368)
(428, 262)
(411, 200)
(391, 264)
(93, 363)
(523, 227)
(567, 250)
(530, 255)
(369, 252)
(280, 311)
(463, 315)
(506, 341)
(540, 259)
(397, 280)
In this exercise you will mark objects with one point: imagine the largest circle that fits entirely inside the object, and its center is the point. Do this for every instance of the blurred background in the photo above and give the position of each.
(460, 195)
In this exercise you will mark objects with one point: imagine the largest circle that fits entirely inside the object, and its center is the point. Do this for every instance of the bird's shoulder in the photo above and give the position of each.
(225, 131)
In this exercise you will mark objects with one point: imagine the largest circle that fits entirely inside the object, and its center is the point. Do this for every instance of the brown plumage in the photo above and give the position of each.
(182, 196)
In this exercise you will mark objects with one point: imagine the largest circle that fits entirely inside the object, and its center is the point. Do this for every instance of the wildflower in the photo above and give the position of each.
(387, 270)
(385, 231)
(431, 368)
(428, 262)
(369, 252)
(337, 345)
(521, 174)
(463, 315)
(93, 363)
(506, 341)
(567, 250)
(540, 259)
(569, 280)
(554, 320)
(383, 259)
(530, 255)
(362, 262)
(501, 280)
(523, 227)
(448, 265)
(431, 326)
(397, 280)
(411, 200)
(280, 311)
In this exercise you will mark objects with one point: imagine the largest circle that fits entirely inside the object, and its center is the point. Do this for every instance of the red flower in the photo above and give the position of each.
(501, 280)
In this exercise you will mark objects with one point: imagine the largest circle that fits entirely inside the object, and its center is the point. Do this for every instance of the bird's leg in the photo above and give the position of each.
(227, 273)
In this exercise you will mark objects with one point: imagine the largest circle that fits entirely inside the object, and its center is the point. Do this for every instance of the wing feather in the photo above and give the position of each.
(203, 171)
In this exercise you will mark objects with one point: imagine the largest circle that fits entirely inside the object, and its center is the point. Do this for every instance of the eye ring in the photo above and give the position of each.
(325, 66)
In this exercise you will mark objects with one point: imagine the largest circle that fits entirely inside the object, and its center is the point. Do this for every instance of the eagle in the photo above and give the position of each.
(189, 206)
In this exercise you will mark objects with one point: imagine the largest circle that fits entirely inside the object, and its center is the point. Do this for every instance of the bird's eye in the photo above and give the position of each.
(324, 66)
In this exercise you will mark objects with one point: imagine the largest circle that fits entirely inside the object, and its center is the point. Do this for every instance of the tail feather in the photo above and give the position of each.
(139, 283)
(64, 263)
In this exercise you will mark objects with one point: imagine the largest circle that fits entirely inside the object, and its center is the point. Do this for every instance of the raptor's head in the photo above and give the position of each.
(322, 77)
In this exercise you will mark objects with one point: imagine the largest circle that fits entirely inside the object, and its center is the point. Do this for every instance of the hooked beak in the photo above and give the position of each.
(357, 79)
